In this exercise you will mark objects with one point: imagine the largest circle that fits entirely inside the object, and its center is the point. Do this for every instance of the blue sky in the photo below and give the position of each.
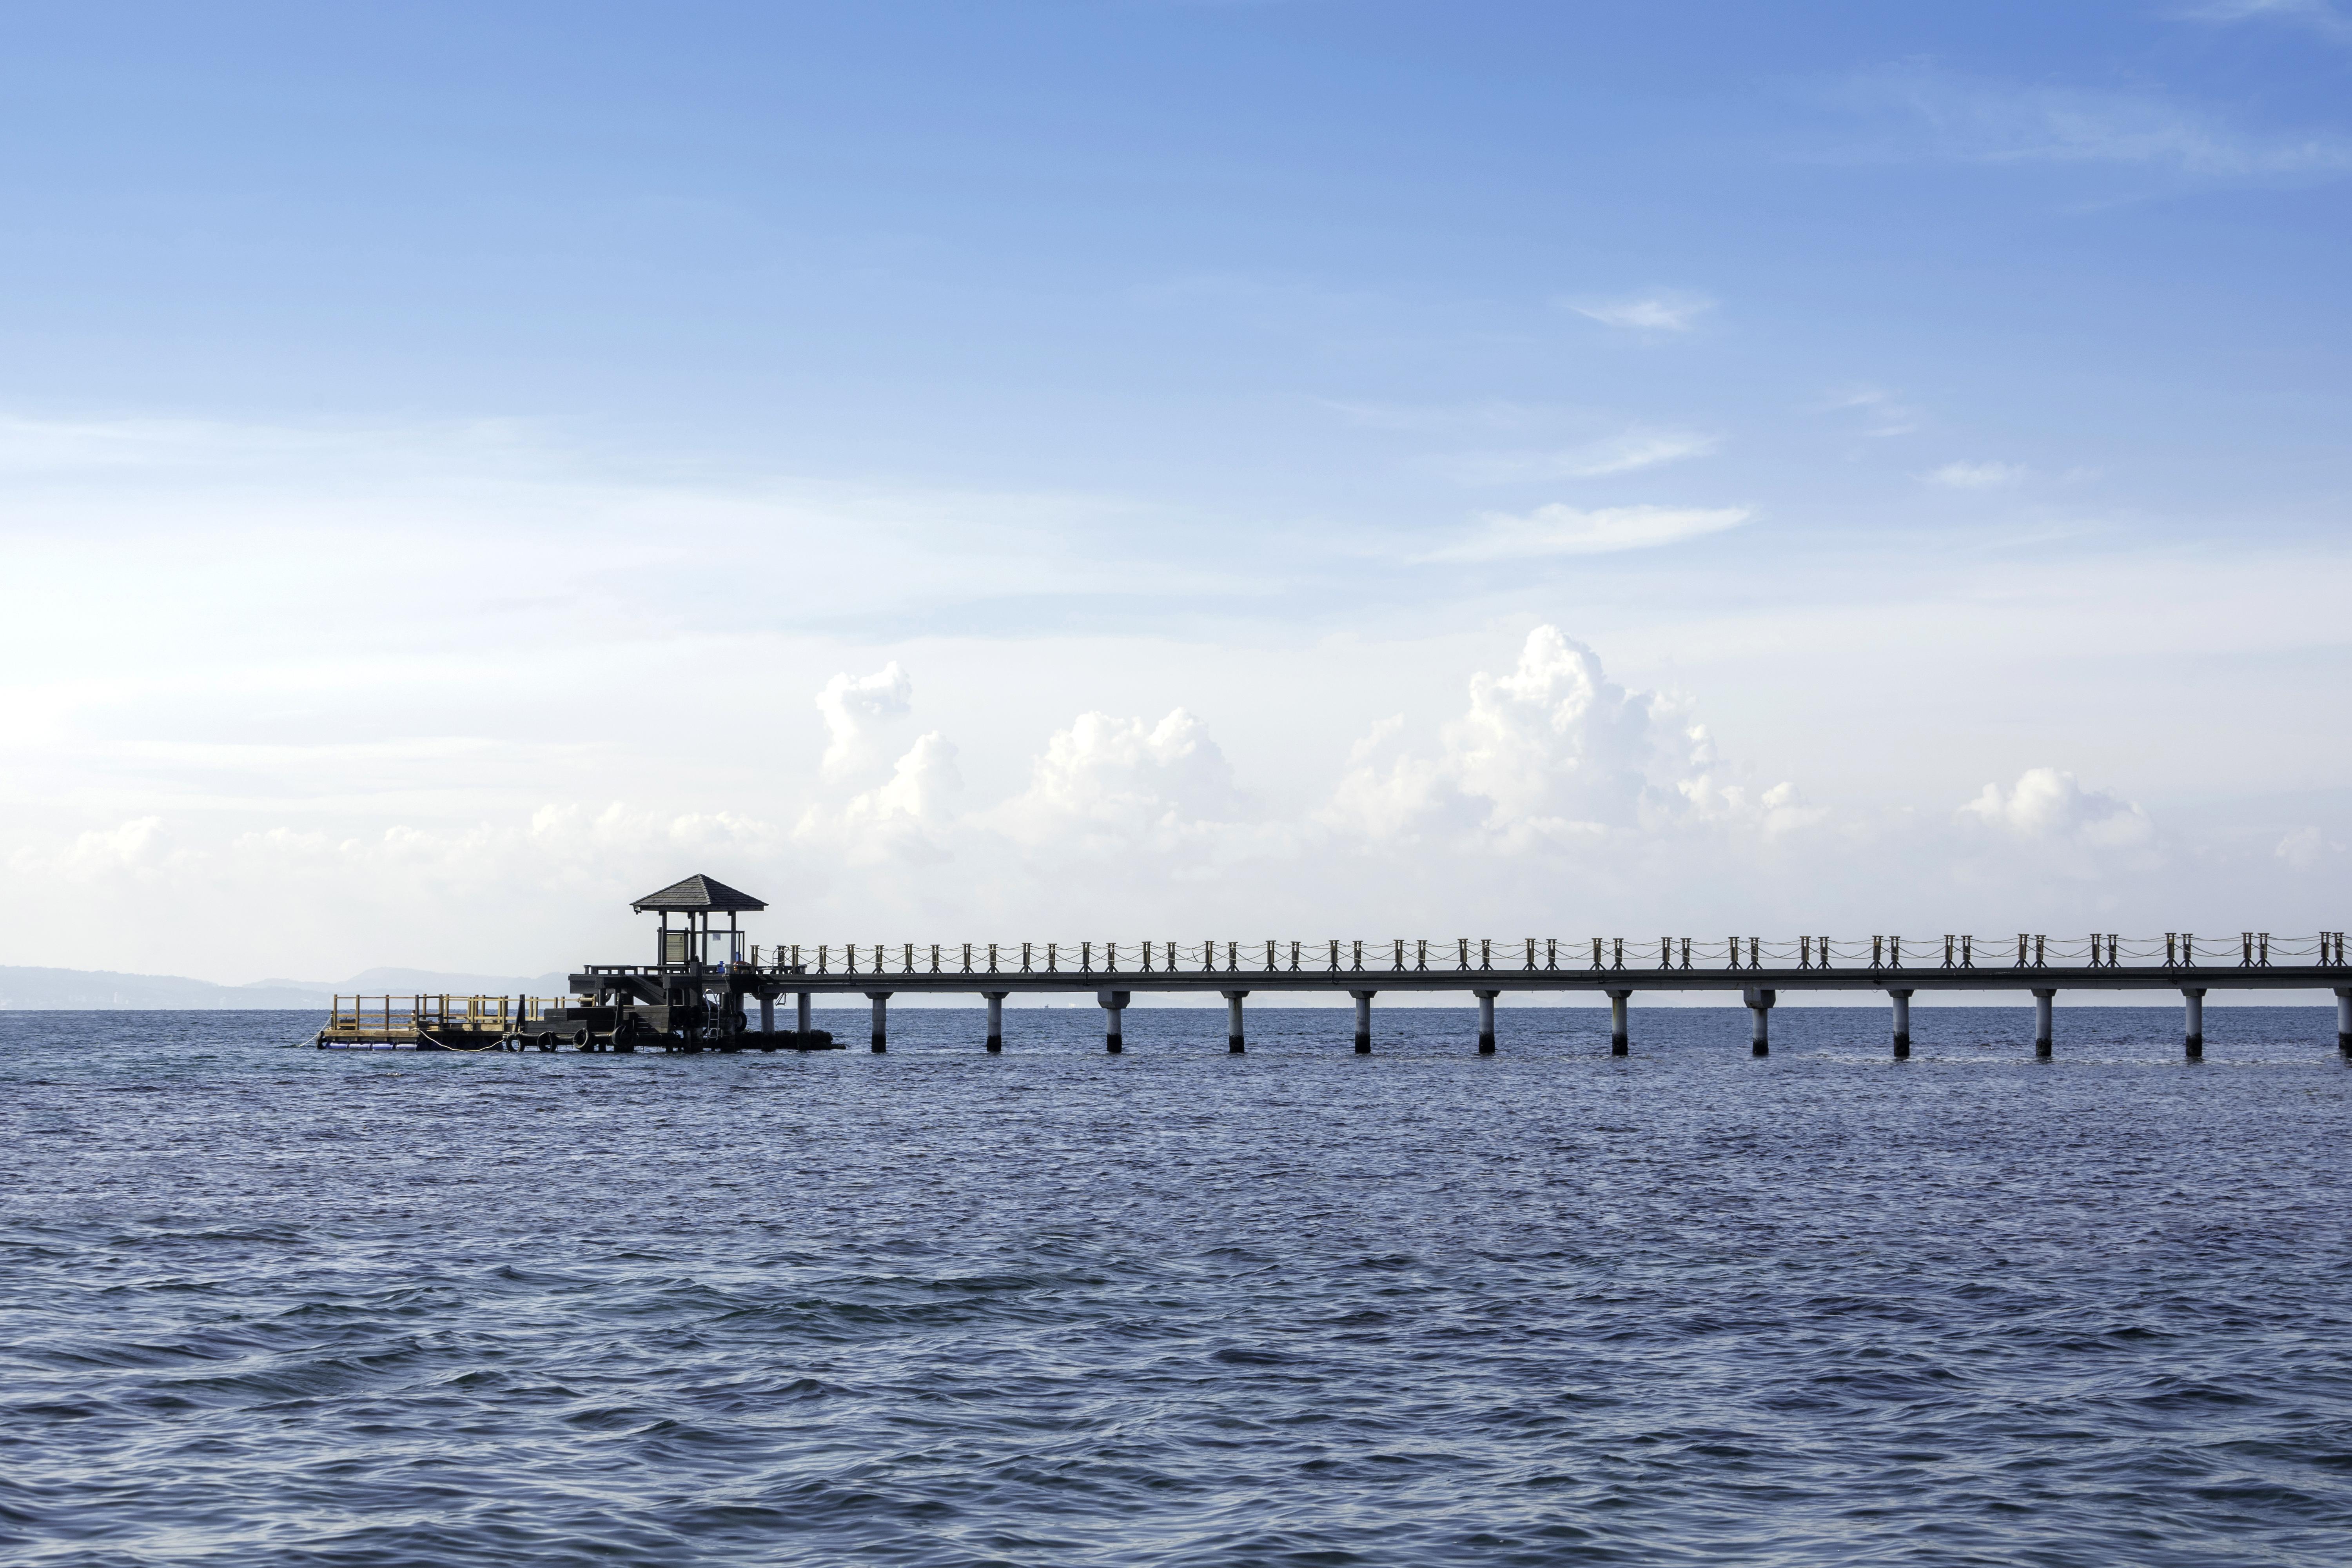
(397, 402)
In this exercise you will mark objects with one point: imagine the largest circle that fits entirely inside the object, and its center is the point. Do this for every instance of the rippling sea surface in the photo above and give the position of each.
(260, 1303)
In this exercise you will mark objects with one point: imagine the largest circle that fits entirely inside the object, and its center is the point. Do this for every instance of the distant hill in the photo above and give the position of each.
(102, 989)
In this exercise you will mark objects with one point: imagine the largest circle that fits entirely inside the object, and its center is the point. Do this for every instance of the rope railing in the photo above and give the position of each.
(1583, 955)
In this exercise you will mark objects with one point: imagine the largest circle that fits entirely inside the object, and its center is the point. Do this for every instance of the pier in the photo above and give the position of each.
(708, 990)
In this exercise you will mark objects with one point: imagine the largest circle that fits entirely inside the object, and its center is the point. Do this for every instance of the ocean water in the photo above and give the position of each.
(263, 1304)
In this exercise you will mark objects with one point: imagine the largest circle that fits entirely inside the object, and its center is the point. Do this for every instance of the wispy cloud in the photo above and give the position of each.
(1559, 530)
(1658, 310)
(2317, 15)
(1977, 120)
(1622, 454)
(1976, 476)
(1883, 414)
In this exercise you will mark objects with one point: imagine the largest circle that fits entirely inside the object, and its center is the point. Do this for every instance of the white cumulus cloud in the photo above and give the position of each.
(1552, 753)
(1106, 781)
(854, 705)
(2053, 803)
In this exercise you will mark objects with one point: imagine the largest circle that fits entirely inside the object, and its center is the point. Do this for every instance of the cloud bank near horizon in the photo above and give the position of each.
(1551, 800)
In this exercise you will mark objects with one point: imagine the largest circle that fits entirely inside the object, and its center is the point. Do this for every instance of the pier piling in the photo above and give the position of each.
(1363, 1022)
(1233, 1021)
(2041, 994)
(767, 1014)
(1759, 1009)
(881, 1000)
(2192, 999)
(1113, 1003)
(995, 1022)
(801, 1013)
(1902, 1000)
(2344, 1023)
(1487, 1022)
(1618, 1043)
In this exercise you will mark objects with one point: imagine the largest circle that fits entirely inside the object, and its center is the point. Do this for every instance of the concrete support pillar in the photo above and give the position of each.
(995, 1022)
(2192, 999)
(1234, 1020)
(767, 1014)
(1114, 1003)
(1487, 1022)
(881, 1000)
(1618, 1043)
(1363, 1022)
(1760, 1007)
(801, 1011)
(2343, 1022)
(1902, 1000)
(2042, 996)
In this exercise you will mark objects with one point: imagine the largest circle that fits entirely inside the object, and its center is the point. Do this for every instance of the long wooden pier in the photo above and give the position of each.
(1484, 968)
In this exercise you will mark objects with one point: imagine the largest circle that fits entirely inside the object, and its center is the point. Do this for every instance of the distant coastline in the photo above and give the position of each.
(26, 989)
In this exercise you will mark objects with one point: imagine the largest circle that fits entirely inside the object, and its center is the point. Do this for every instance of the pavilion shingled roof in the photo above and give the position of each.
(698, 892)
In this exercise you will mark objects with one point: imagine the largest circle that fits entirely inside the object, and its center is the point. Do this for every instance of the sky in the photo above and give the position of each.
(1122, 469)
